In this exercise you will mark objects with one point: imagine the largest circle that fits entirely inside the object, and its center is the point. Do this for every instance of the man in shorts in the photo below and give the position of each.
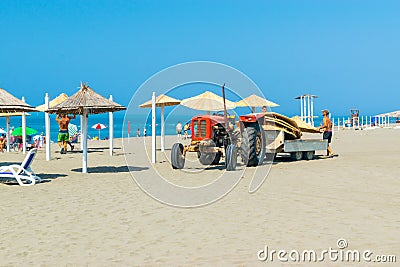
(327, 130)
(63, 136)
(179, 129)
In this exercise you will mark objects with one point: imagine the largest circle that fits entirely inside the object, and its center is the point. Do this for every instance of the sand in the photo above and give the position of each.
(104, 219)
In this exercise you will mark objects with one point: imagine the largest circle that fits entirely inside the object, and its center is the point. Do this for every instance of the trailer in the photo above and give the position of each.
(264, 135)
(297, 148)
(304, 149)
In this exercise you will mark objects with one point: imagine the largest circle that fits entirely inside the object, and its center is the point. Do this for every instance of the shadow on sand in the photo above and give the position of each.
(46, 177)
(9, 163)
(111, 169)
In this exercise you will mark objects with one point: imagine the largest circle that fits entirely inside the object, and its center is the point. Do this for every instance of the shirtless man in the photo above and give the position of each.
(63, 136)
(327, 131)
(2, 142)
(264, 109)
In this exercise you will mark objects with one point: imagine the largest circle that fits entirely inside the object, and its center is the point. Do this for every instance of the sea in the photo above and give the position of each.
(36, 120)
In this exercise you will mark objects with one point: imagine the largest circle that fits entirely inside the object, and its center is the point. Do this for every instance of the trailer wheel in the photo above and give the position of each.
(209, 158)
(253, 146)
(177, 158)
(231, 158)
(296, 155)
(308, 155)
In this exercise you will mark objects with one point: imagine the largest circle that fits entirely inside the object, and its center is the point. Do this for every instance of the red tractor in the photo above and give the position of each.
(211, 140)
(259, 136)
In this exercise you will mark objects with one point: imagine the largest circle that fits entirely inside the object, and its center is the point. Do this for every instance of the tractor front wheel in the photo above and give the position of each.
(231, 158)
(177, 158)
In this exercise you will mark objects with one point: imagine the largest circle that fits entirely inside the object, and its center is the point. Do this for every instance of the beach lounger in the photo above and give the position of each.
(22, 173)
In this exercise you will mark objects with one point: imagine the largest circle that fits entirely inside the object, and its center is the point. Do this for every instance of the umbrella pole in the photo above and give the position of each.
(8, 133)
(153, 128)
(162, 129)
(23, 130)
(84, 130)
(47, 123)
(81, 121)
(111, 129)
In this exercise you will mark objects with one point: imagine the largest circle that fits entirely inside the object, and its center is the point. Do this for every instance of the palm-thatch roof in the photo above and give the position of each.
(87, 99)
(162, 100)
(10, 104)
(58, 100)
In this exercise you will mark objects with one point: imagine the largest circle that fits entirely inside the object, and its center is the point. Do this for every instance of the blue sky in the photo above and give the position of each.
(346, 52)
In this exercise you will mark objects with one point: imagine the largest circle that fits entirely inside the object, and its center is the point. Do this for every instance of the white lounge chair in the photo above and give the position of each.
(22, 173)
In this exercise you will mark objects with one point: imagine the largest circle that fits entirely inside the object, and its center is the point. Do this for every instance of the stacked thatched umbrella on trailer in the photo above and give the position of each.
(9, 104)
(85, 102)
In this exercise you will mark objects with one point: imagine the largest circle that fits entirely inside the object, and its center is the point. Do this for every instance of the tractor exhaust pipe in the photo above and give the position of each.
(225, 113)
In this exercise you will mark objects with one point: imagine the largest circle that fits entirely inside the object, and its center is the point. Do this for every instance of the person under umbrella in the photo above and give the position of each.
(63, 136)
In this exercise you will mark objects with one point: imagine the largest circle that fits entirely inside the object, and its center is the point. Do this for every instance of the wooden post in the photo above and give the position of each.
(47, 125)
(111, 129)
(8, 132)
(162, 129)
(23, 130)
(84, 131)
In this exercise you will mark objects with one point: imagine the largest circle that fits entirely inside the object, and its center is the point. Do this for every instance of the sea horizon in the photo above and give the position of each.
(137, 121)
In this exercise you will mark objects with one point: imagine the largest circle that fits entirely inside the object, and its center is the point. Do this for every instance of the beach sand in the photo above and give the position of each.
(104, 219)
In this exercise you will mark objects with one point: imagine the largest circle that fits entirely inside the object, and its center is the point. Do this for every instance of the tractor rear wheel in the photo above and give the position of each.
(253, 147)
(177, 158)
(231, 158)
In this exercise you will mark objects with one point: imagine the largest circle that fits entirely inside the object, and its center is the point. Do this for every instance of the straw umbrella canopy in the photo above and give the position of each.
(162, 101)
(85, 102)
(254, 101)
(11, 104)
(393, 114)
(58, 100)
(207, 101)
(13, 114)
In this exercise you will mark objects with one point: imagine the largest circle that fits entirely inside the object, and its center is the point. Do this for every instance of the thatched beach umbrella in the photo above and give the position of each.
(162, 101)
(85, 102)
(254, 101)
(207, 101)
(11, 104)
